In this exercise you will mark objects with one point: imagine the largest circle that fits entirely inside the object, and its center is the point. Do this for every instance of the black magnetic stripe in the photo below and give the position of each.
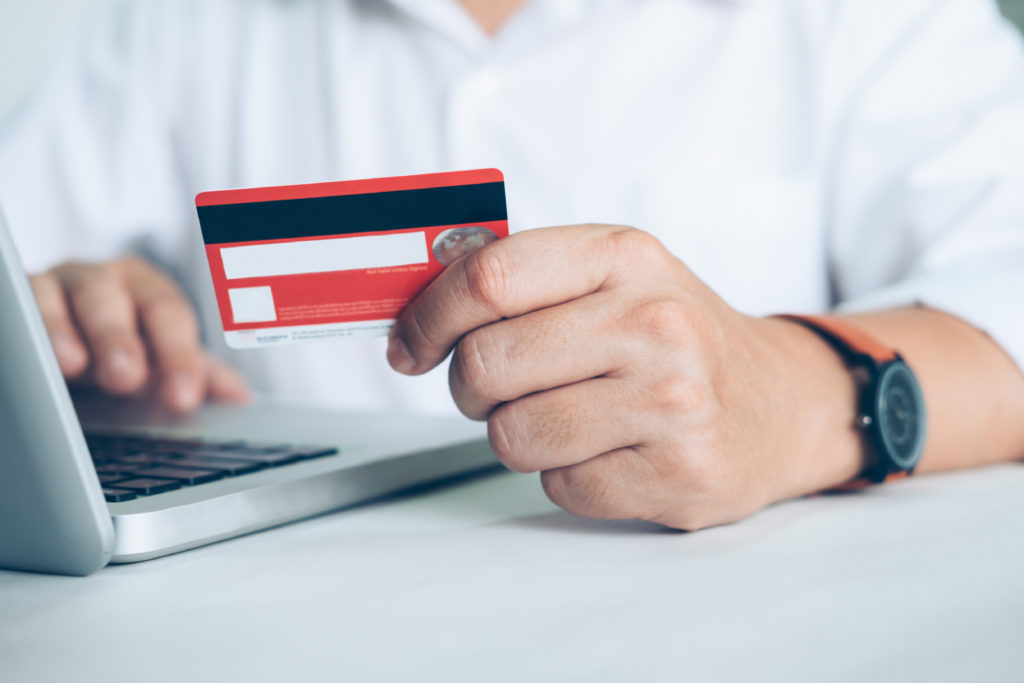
(339, 215)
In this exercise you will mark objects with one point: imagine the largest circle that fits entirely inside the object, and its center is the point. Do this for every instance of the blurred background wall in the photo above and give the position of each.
(29, 32)
(1014, 9)
(31, 29)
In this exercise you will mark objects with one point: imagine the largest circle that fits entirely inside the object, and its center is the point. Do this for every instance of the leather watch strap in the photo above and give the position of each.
(851, 343)
(865, 482)
(845, 337)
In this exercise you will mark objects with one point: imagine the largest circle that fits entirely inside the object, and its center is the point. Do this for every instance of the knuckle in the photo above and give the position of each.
(165, 306)
(417, 333)
(488, 280)
(638, 245)
(505, 433)
(475, 368)
(95, 277)
(677, 394)
(664, 319)
(695, 487)
(135, 264)
(698, 471)
(583, 491)
(527, 436)
(110, 336)
(66, 268)
(556, 487)
(180, 361)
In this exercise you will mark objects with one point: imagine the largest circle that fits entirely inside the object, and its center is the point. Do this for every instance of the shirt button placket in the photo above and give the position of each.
(466, 133)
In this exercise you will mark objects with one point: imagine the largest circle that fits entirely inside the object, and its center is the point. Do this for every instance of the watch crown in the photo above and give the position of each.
(864, 421)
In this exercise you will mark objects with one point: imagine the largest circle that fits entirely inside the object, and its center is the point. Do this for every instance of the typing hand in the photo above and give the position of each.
(126, 326)
(600, 360)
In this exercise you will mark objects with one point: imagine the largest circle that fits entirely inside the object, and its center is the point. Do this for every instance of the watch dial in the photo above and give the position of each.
(901, 415)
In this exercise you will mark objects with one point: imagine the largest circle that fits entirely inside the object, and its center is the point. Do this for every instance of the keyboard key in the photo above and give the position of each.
(163, 448)
(189, 477)
(220, 445)
(118, 495)
(125, 456)
(108, 467)
(140, 458)
(228, 467)
(108, 453)
(270, 458)
(107, 477)
(122, 445)
(148, 487)
(94, 440)
(310, 452)
(176, 443)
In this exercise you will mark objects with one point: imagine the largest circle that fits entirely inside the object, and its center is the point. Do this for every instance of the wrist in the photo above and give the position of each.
(824, 446)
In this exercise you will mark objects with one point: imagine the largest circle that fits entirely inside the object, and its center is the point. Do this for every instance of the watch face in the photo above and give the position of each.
(901, 415)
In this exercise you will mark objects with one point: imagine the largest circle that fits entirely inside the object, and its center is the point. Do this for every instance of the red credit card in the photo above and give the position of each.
(340, 259)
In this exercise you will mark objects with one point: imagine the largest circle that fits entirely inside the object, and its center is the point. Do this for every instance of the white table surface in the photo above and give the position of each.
(487, 581)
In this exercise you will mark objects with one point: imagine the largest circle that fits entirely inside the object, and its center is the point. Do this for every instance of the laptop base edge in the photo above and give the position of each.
(149, 535)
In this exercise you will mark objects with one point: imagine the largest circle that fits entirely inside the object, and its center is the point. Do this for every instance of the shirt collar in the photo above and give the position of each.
(449, 18)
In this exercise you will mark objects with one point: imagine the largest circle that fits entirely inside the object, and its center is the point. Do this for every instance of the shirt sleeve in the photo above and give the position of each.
(87, 167)
(927, 200)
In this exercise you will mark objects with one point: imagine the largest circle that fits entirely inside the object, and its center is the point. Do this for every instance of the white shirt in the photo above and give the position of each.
(796, 154)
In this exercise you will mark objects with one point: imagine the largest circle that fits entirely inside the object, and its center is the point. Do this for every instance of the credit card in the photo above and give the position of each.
(340, 259)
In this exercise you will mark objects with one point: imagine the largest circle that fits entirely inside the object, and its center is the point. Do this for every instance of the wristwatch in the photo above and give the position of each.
(890, 411)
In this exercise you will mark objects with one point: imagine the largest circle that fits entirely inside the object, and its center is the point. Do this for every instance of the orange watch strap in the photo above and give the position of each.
(855, 341)
(849, 335)
(864, 482)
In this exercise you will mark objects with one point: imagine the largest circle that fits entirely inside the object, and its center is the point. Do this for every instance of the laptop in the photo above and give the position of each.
(99, 480)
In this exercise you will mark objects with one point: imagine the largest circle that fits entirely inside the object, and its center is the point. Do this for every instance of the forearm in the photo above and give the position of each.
(973, 391)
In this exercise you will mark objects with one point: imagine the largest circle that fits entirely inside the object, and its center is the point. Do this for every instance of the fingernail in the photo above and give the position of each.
(67, 352)
(399, 356)
(181, 390)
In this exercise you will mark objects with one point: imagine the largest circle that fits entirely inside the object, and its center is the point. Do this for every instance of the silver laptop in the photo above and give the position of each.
(173, 483)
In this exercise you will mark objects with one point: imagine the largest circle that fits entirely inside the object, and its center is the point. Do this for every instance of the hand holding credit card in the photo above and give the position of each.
(340, 259)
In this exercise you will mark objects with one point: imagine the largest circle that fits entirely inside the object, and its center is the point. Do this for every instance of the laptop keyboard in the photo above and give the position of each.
(130, 466)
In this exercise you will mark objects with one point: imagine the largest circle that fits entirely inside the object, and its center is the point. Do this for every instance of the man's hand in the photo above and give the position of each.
(126, 326)
(600, 360)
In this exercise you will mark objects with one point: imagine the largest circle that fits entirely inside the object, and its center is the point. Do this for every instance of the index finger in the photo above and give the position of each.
(172, 331)
(525, 272)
